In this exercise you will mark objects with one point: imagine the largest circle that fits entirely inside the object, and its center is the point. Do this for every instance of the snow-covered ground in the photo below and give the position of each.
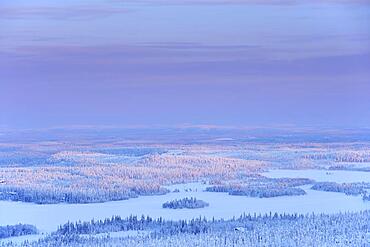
(339, 176)
(21, 239)
(47, 217)
(120, 234)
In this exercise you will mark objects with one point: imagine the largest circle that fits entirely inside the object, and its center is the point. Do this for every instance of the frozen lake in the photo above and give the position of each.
(339, 176)
(47, 217)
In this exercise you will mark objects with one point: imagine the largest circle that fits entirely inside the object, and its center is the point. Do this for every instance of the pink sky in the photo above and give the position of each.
(174, 62)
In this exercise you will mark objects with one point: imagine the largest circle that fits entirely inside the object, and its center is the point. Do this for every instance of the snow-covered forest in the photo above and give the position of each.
(343, 229)
(17, 230)
(263, 187)
(75, 173)
(185, 203)
(347, 188)
(95, 178)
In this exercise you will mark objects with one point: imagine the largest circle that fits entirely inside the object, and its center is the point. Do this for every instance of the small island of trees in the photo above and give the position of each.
(190, 203)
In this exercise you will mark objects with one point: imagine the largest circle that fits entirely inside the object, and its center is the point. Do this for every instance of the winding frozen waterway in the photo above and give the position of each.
(48, 217)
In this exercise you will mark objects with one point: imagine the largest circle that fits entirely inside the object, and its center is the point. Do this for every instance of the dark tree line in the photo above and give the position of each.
(190, 203)
(162, 227)
(258, 191)
(17, 230)
(69, 196)
(341, 229)
(347, 188)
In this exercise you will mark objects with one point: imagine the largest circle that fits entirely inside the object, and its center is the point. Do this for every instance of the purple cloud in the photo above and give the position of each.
(224, 65)
(60, 12)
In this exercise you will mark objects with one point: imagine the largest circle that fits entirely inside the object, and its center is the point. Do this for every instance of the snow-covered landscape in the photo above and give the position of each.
(214, 181)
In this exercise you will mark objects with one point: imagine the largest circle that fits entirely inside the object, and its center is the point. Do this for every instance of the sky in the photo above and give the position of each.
(171, 62)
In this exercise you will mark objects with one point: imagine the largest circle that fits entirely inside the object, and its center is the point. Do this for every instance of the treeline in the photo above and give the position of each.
(347, 188)
(263, 187)
(260, 192)
(116, 223)
(268, 192)
(52, 196)
(345, 166)
(17, 230)
(161, 227)
(190, 203)
(341, 229)
(366, 197)
(341, 156)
